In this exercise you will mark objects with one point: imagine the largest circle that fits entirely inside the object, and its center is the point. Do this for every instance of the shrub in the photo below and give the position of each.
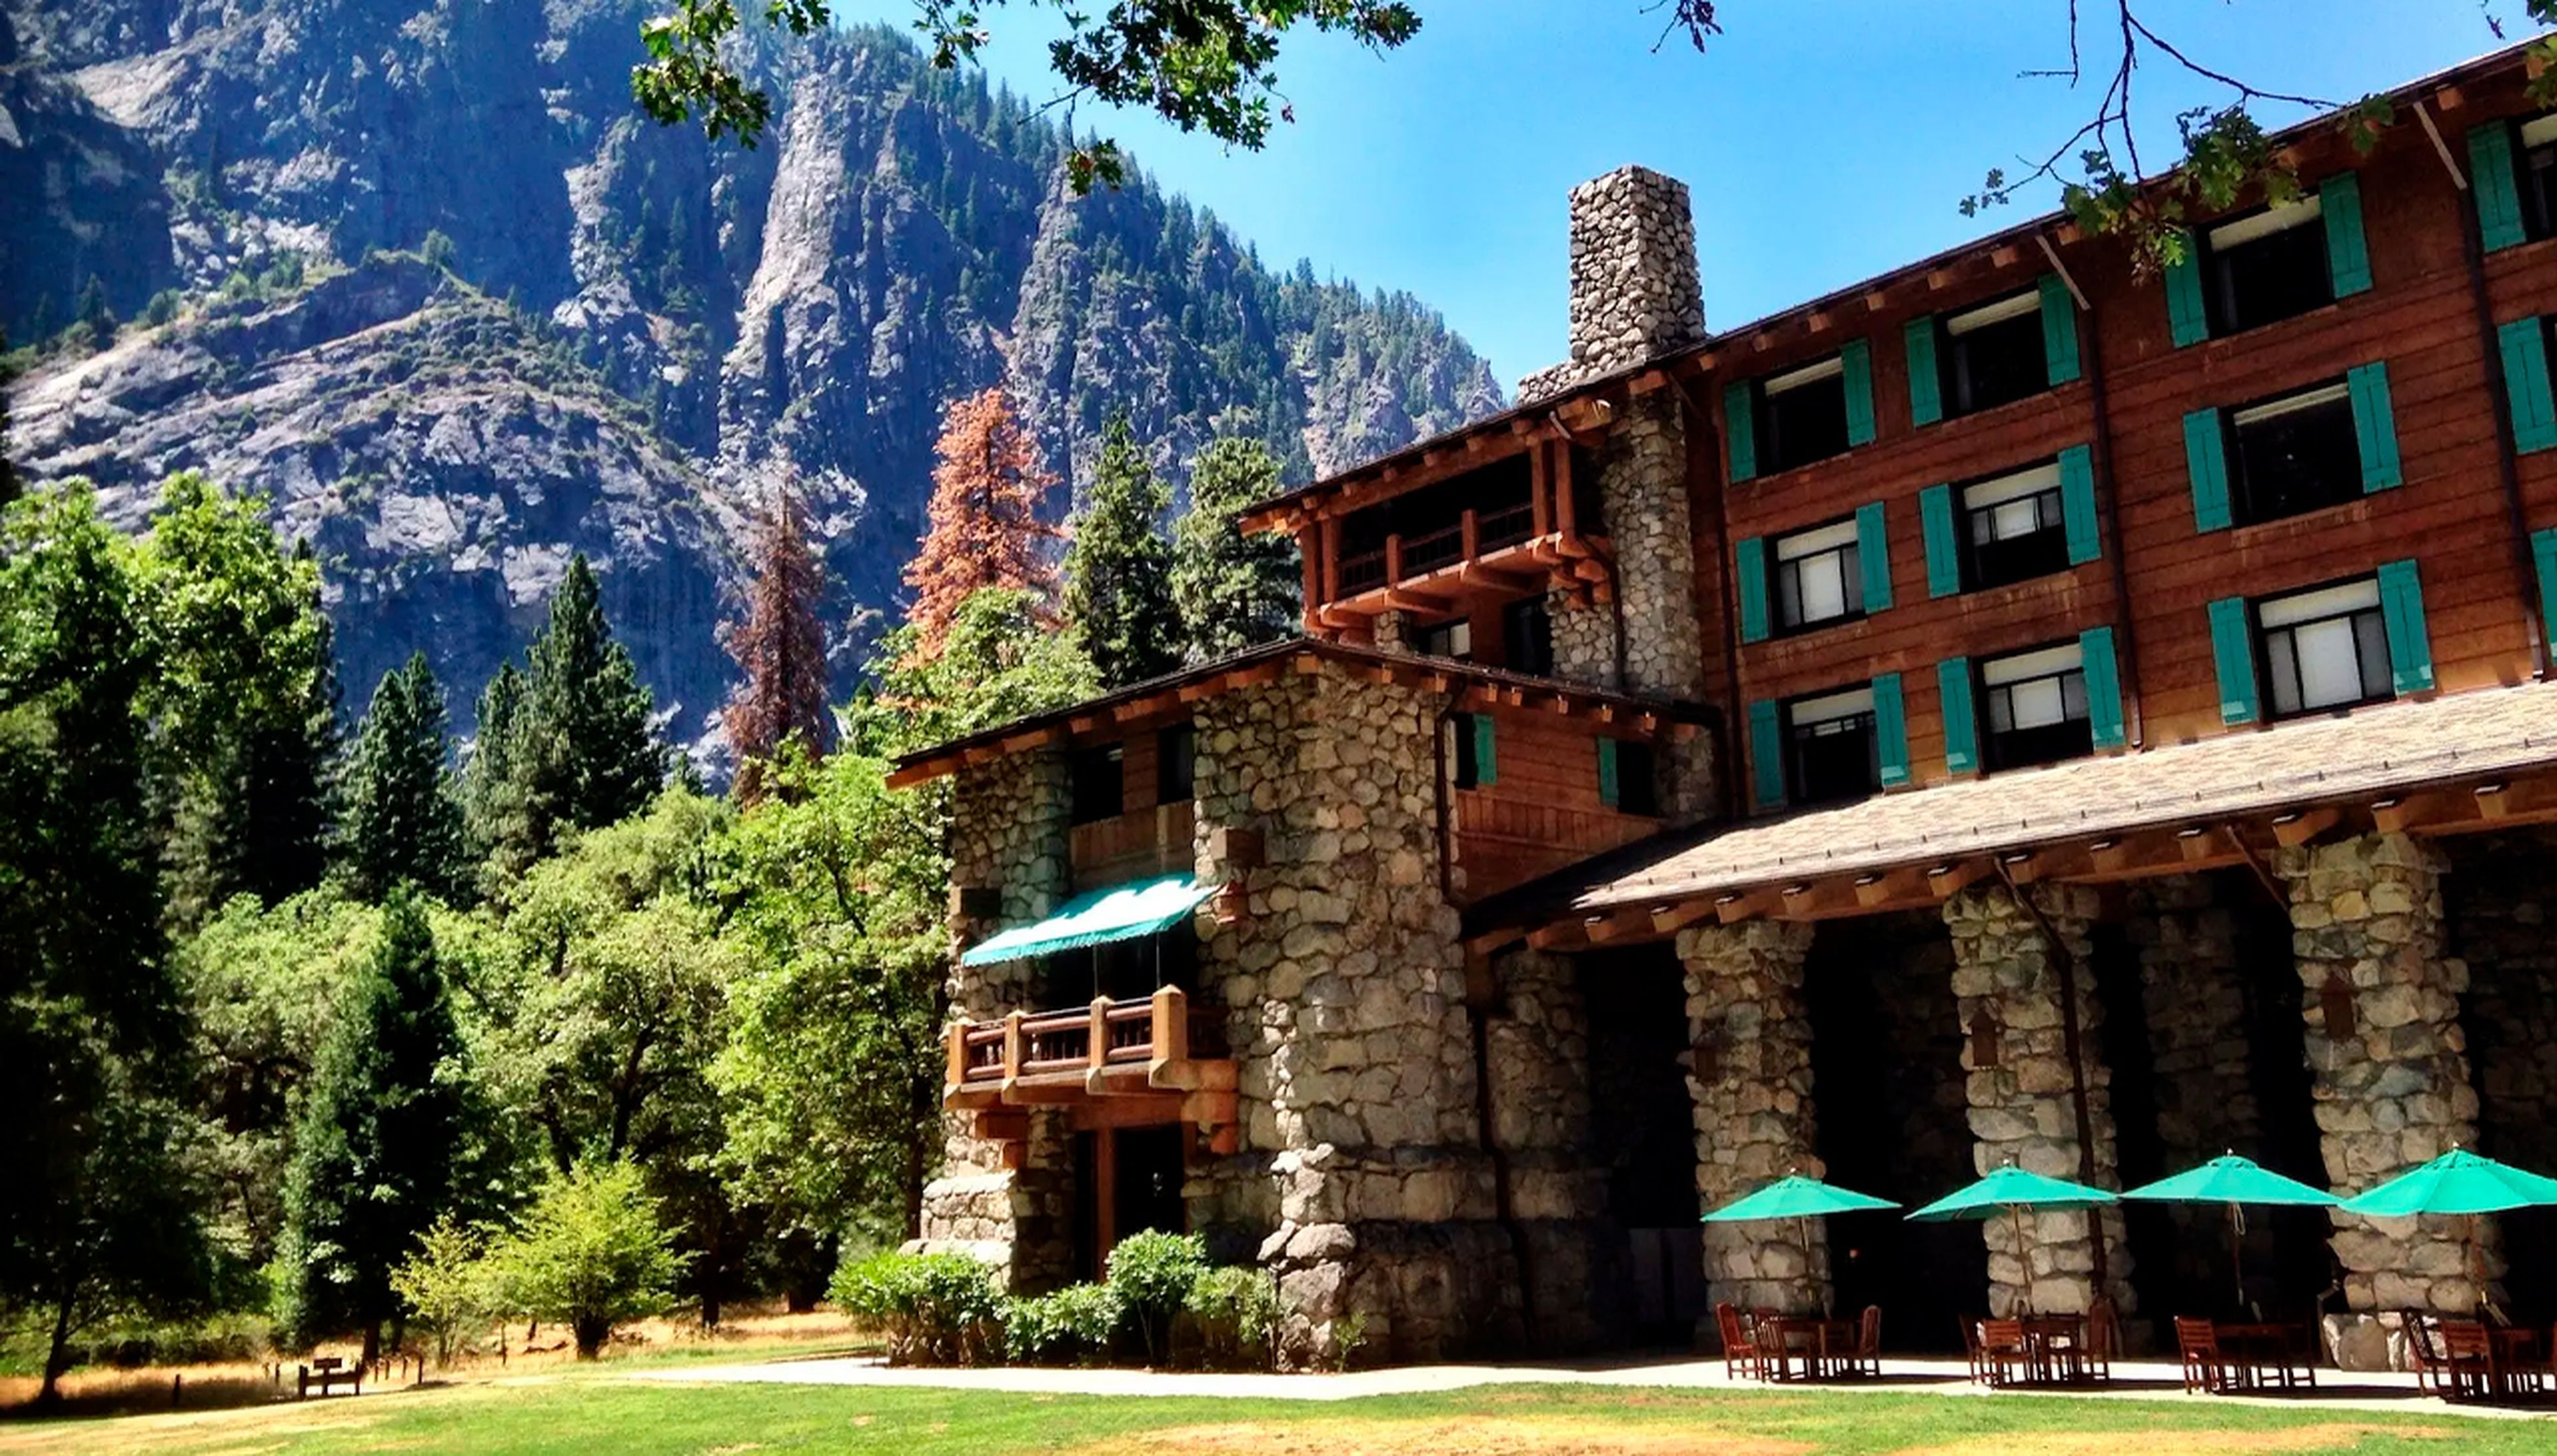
(590, 1254)
(1073, 1326)
(934, 1308)
(1153, 1275)
(1236, 1310)
(163, 308)
(448, 1286)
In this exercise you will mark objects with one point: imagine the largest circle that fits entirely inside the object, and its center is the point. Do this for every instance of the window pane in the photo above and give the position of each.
(2038, 704)
(1789, 593)
(2284, 667)
(1823, 588)
(1805, 424)
(2370, 635)
(2016, 517)
(2001, 714)
(1999, 363)
(2300, 460)
(2275, 276)
(2329, 663)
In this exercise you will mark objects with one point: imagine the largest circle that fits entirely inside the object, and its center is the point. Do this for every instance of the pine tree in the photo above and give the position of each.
(497, 820)
(1118, 568)
(94, 313)
(986, 529)
(381, 1146)
(1234, 591)
(780, 646)
(591, 756)
(403, 823)
(9, 488)
(289, 807)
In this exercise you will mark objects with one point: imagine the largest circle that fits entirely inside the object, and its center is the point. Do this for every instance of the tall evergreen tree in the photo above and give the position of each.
(288, 807)
(9, 488)
(381, 1151)
(780, 646)
(403, 823)
(593, 760)
(94, 313)
(986, 531)
(496, 817)
(1118, 568)
(1234, 591)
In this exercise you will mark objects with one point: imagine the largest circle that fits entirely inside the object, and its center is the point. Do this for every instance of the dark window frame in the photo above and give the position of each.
(1463, 768)
(2012, 747)
(1527, 636)
(1964, 388)
(2255, 494)
(2042, 552)
(1785, 587)
(1082, 780)
(2243, 282)
(1811, 440)
(2535, 177)
(1176, 764)
(1638, 789)
(1429, 639)
(1807, 781)
(2369, 624)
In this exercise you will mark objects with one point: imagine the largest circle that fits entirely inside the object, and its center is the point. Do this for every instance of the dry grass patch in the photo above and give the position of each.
(1503, 1436)
(2324, 1436)
(255, 1429)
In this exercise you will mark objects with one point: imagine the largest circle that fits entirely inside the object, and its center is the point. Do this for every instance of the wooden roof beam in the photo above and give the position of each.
(1735, 907)
(1561, 935)
(2304, 826)
(1671, 919)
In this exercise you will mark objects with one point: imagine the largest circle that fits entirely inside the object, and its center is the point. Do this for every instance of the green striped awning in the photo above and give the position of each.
(1121, 913)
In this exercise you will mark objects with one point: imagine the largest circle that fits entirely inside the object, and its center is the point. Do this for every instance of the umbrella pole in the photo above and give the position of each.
(2024, 1256)
(2238, 1254)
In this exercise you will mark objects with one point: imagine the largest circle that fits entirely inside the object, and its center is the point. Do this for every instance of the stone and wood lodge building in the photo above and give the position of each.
(2009, 709)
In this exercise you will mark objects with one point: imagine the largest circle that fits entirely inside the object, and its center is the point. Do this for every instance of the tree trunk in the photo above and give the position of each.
(590, 1334)
(58, 1355)
(372, 1341)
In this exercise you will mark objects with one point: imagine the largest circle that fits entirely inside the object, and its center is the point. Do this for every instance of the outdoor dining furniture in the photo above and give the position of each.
(2057, 1346)
(2423, 1355)
(2257, 1356)
(2197, 1343)
(2468, 1369)
(1798, 1346)
(1864, 1357)
(1740, 1356)
(2005, 1356)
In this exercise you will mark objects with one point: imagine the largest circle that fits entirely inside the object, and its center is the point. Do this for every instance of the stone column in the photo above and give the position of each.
(2193, 998)
(1751, 1077)
(2387, 1061)
(2007, 984)
(1009, 1204)
(1536, 1033)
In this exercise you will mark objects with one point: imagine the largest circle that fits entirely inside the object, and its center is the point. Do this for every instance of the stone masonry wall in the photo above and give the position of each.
(1635, 290)
(2502, 899)
(1642, 485)
(1361, 1183)
(2393, 1086)
(1008, 832)
(2022, 1109)
(1537, 1045)
(1751, 1079)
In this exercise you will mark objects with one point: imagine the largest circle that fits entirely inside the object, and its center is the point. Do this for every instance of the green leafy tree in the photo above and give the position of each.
(1233, 591)
(1118, 568)
(403, 818)
(589, 1253)
(386, 1139)
(999, 661)
(96, 1213)
(448, 1286)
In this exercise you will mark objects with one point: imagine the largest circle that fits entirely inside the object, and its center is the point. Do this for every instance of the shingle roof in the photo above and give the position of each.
(2368, 754)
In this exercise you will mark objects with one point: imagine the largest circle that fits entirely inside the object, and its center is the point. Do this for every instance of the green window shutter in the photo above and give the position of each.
(1740, 429)
(2206, 461)
(1925, 380)
(2059, 329)
(2375, 424)
(2077, 504)
(2187, 320)
(1962, 724)
(1767, 752)
(1944, 549)
(1891, 730)
(2347, 261)
(2525, 384)
(2103, 686)
(1609, 792)
(1857, 356)
(2544, 550)
(2491, 177)
(2233, 646)
(1487, 764)
(1751, 559)
(2401, 605)
(1873, 556)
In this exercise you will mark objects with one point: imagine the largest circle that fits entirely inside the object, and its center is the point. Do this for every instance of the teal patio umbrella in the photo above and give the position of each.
(2012, 1190)
(2456, 1183)
(2234, 1181)
(1800, 1199)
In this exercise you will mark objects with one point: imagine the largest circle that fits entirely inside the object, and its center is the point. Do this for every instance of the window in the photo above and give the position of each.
(1801, 416)
(1526, 631)
(2327, 648)
(1176, 764)
(2037, 707)
(1099, 783)
(1636, 790)
(2539, 176)
(1449, 639)
(2267, 266)
(2015, 527)
(1818, 577)
(2296, 453)
(1830, 748)
(1474, 767)
(1993, 354)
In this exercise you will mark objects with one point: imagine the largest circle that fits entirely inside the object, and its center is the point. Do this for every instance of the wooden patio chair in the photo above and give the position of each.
(2196, 1341)
(2422, 1354)
(2004, 1351)
(1971, 1347)
(2467, 1360)
(1740, 1354)
(1866, 1357)
(2103, 1340)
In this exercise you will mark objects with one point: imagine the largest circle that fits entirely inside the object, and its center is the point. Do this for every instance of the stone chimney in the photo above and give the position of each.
(1635, 290)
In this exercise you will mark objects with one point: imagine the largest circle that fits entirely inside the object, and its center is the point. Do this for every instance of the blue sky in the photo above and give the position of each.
(1824, 140)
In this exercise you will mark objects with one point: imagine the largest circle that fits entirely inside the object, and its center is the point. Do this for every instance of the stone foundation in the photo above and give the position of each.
(2023, 1109)
(1537, 1051)
(1751, 1079)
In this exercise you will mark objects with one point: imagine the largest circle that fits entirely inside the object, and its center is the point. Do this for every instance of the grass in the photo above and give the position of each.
(588, 1411)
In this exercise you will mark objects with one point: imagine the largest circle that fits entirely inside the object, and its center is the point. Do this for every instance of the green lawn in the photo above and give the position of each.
(602, 1413)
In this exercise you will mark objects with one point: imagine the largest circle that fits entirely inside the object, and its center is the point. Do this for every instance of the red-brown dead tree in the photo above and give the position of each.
(986, 528)
(780, 646)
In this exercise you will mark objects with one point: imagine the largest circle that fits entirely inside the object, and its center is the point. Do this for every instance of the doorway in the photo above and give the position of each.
(1127, 1180)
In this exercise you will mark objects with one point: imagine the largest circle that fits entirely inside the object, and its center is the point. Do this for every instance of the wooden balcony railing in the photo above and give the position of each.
(1161, 1032)
(1156, 839)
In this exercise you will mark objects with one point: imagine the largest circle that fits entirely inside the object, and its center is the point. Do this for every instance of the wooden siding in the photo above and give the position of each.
(1542, 809)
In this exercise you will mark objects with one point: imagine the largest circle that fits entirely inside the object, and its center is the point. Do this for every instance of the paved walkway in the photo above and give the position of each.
(2337, 1391)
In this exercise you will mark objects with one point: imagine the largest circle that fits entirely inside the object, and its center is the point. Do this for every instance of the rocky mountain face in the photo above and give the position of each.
(425, 278)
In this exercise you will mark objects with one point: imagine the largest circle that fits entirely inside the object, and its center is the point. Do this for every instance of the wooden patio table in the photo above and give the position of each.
(2058, 1347)
(2520, 1361)
(1821, 1344)
(2263, 1355)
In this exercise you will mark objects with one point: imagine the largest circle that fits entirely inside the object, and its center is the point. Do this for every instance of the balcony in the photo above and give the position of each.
(1128, 846)
(1441, 568)
(1159, 1059)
